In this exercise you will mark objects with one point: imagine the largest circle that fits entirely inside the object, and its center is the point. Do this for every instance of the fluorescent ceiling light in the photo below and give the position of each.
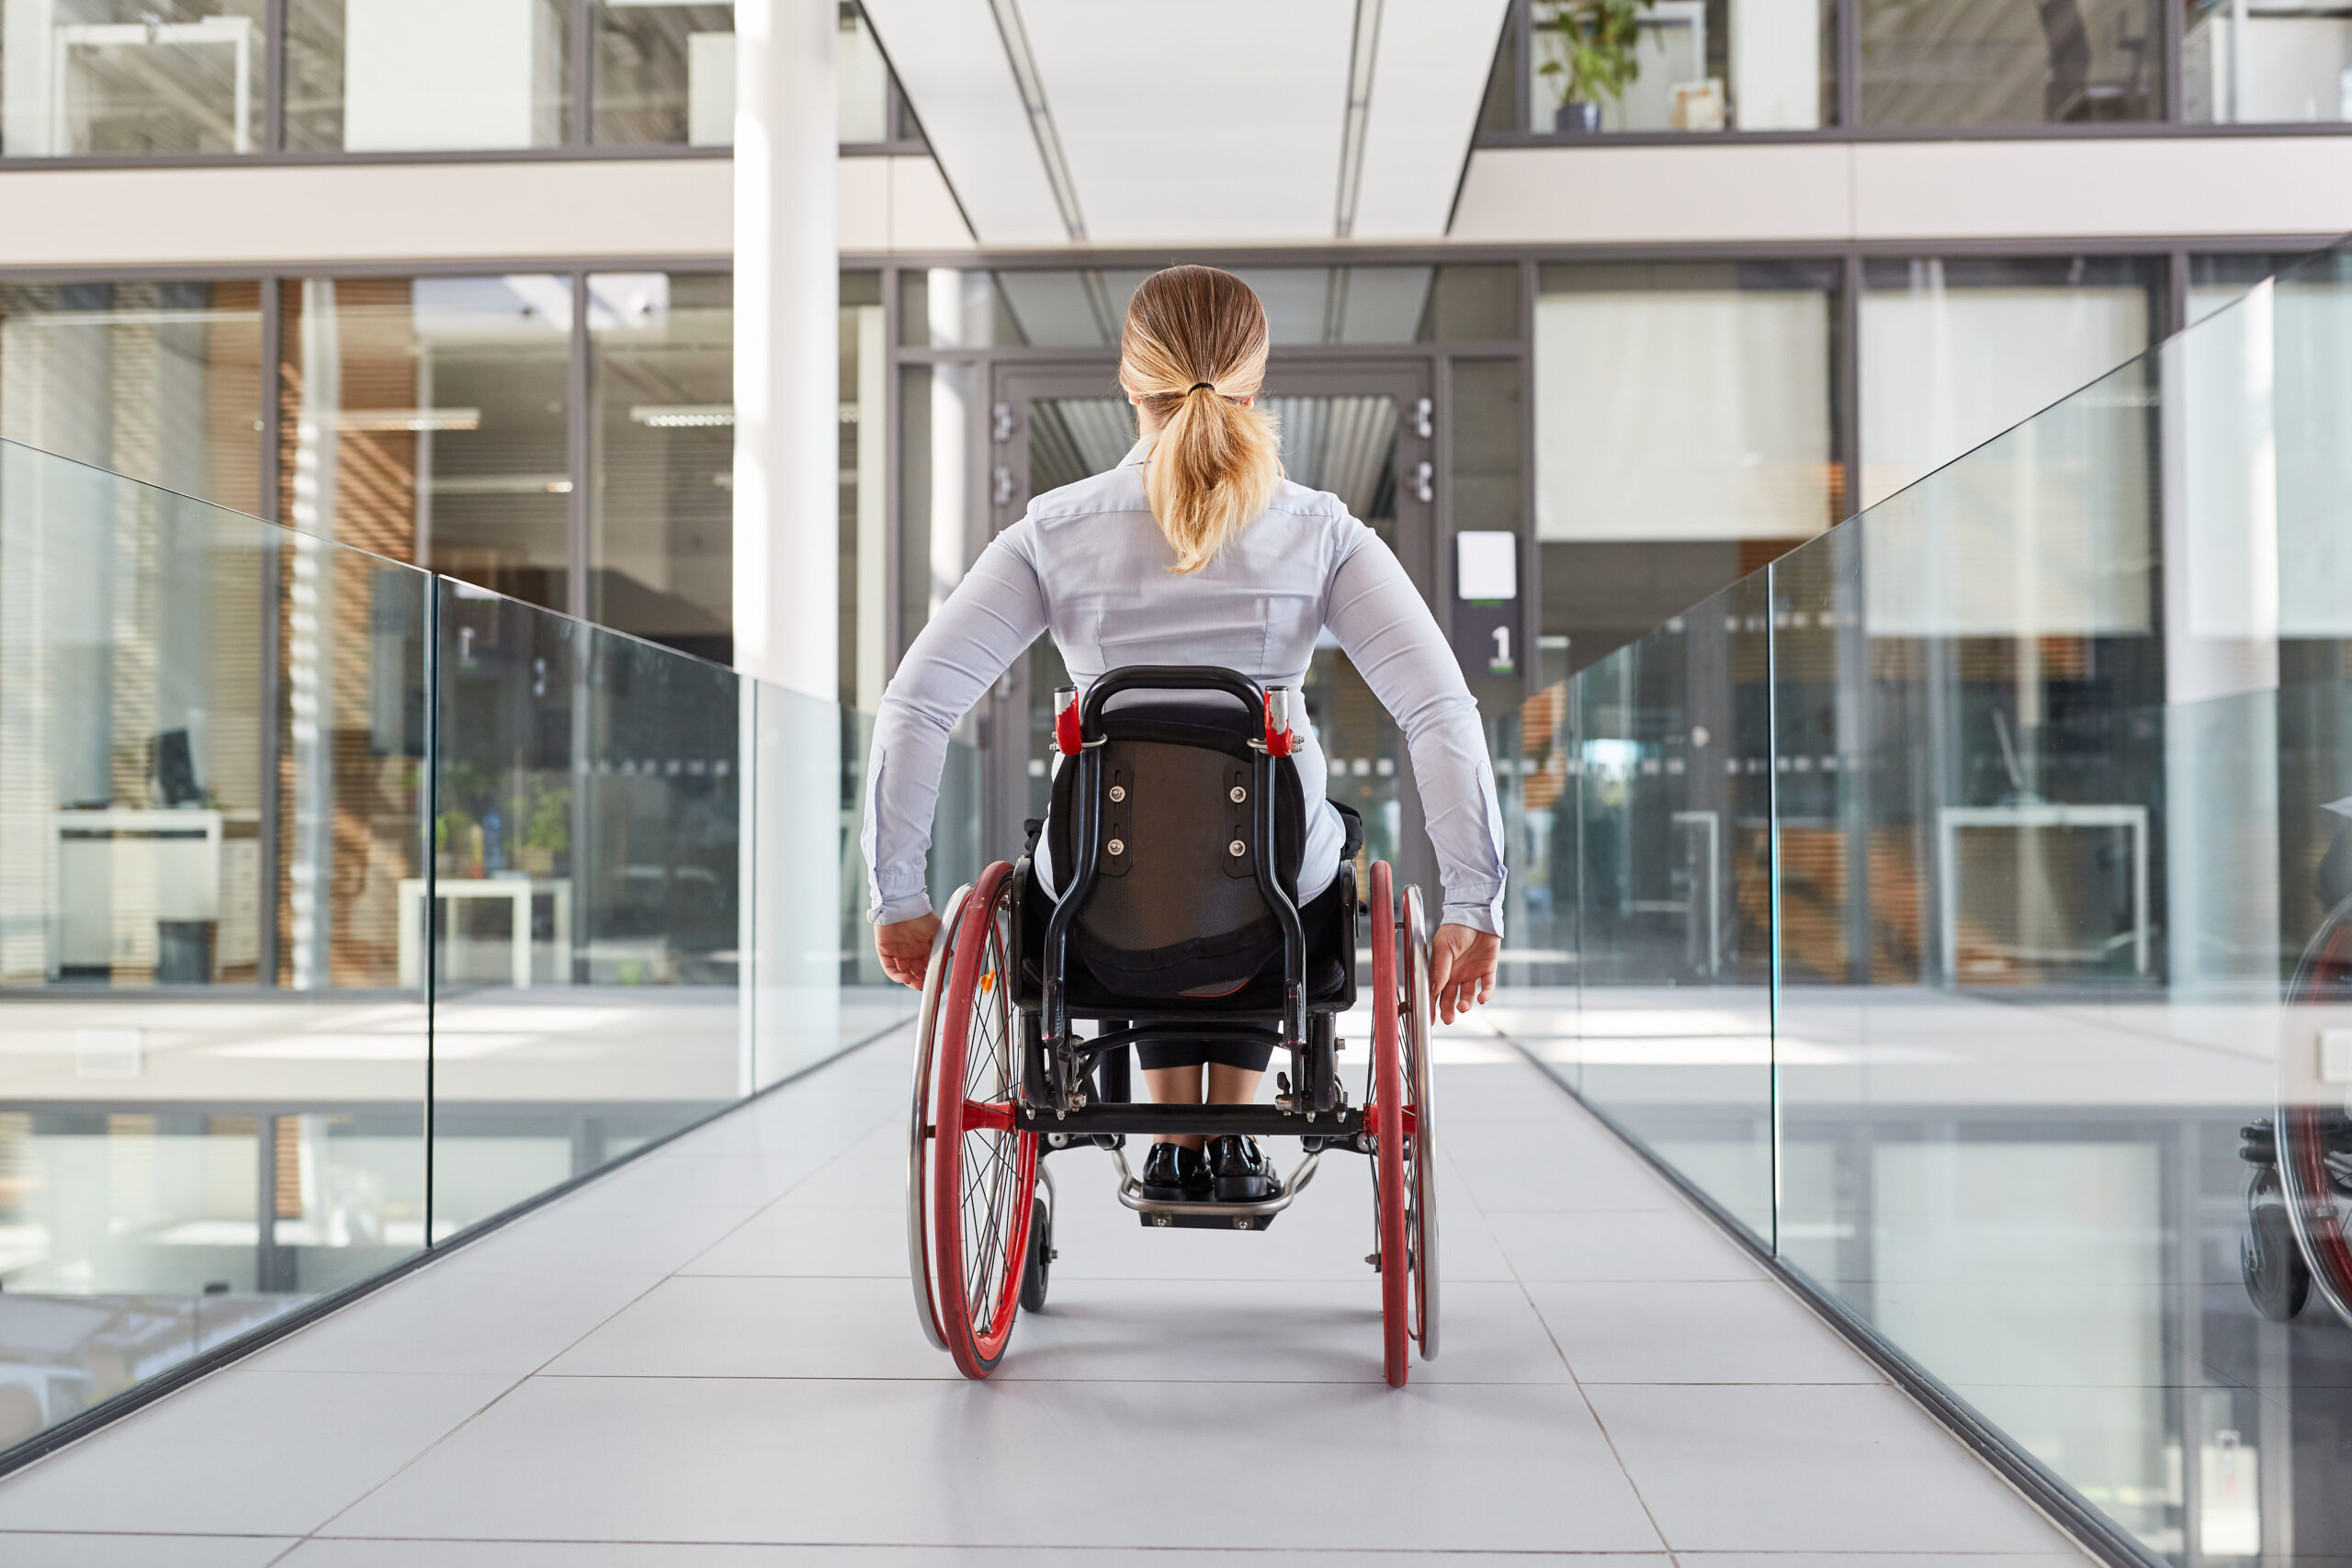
(675, 416)
(408, 419)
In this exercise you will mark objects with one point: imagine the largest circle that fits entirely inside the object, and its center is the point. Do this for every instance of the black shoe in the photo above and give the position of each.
(1243, 1174)
(1174, 1174)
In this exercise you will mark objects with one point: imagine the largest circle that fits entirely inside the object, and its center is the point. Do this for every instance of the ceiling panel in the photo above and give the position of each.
(1429, 78)
(950, 59)
(1215, 120)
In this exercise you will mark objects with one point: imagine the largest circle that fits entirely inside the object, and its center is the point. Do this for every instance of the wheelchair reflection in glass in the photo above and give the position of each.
(2299, 1192)
(1175, 831)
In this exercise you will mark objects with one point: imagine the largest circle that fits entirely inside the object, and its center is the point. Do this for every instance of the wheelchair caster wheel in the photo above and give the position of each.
(1035, 1274)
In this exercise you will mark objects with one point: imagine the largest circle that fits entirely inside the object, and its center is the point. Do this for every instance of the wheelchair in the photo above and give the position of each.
(1176, 828)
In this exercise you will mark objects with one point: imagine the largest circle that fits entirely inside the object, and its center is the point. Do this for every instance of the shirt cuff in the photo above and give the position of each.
(890, 911)
(1487, 917)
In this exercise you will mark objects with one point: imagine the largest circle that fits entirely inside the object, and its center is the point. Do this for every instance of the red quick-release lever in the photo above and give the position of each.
(1066, 735)
(1280, 738)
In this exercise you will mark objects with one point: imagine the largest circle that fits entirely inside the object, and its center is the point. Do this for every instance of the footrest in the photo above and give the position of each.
(1202, 1217)
(1160, 1214)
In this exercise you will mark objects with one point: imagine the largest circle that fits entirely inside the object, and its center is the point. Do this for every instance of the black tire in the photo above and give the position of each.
(2278, 1281)
(1035, 1273)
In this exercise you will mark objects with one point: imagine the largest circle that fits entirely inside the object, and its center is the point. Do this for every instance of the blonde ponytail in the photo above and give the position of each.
(1194, 348)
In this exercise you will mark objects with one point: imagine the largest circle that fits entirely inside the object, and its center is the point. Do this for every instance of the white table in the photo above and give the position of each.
(1951, 819)
(518, 892)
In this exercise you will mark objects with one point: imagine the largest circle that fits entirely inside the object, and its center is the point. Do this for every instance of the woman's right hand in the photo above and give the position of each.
(905, 948)
(1462, 968)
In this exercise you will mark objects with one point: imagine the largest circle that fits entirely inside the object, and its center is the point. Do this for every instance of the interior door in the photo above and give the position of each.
(1359, 429)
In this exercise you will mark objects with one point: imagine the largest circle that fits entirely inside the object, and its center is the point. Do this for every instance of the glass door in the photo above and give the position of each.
(1361, 430)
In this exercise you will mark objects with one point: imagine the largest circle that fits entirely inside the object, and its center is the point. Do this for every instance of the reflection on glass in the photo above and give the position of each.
(422, 75)
(423, 419)
(661, 518)
(2281, 61)
(110, 76)
(1692, 65)
(157, 380)
(1932, 63)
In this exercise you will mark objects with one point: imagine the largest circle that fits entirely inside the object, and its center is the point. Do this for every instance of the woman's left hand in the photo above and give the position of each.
(1462, 968)
(905, 948)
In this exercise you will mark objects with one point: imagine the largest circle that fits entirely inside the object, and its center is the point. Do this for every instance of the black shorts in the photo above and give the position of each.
(1249, 1055)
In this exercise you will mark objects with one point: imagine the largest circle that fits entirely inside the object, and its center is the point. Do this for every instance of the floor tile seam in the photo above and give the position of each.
(761, 1209)
(1586, 1399)
(1371, 1378)
(503, 1395)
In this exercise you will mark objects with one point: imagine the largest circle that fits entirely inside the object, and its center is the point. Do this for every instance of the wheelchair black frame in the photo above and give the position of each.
(1058, 1067)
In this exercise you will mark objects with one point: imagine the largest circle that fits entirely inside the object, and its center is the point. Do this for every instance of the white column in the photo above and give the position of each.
(788, 369)
(788, 530)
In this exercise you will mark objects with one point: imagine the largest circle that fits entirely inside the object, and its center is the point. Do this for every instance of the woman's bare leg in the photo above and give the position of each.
(1233, 1085)
(1177, 1086)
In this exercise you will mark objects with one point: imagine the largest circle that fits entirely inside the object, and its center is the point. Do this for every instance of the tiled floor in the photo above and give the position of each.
(709, 1361)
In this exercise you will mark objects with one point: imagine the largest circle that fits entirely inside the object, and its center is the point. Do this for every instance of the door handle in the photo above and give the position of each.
(1004, 485)
(1424, 424)
(1003, 431)
(1424, 480)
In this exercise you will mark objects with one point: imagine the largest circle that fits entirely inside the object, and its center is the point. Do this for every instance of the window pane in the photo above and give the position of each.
(1954, 352)
(661, 520)
(2004, 62)
(1691, 65)
(417, 75)
(425, 420)
(1049, 308)
(665, 76)
(114, 76)
(1704, 448)
(865, 585)
(2285, 63)
(160, 381)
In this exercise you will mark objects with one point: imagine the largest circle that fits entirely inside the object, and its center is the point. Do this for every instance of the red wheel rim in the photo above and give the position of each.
(983, 1173)
(1389, 1097)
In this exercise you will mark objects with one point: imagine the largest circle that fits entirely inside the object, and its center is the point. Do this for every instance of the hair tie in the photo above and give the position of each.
(1198, 385)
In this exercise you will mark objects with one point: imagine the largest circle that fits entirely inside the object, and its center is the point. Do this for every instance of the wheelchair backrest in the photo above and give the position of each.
(1175, 908)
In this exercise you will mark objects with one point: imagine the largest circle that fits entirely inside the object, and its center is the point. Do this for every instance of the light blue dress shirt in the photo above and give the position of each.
(1089, 565)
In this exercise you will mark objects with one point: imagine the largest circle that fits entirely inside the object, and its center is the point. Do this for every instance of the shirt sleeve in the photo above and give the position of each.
(995, 612)
(1385, 628)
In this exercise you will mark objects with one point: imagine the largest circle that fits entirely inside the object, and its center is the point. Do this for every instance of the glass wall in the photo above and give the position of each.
(1683, 65)
(661, 423)
(665, 74)
(1712, 434)
(2008, 62)
(161, 381)
(2283, 61)
(1955, 351)
(310, 851)
(427, 420)
(111, 78)
(2004, 827)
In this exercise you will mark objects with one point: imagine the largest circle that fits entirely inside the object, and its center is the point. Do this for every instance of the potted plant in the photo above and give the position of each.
(1594, 59)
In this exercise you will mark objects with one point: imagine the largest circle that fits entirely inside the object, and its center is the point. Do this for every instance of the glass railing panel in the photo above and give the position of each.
(587, 911)
(1674, 793)
(211, 1101)
(2085, 694)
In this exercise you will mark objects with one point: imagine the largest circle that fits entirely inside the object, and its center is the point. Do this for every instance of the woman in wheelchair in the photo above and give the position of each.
(1194, 551)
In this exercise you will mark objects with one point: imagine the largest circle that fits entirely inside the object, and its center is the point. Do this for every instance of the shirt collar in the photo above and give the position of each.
(1137, 453)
